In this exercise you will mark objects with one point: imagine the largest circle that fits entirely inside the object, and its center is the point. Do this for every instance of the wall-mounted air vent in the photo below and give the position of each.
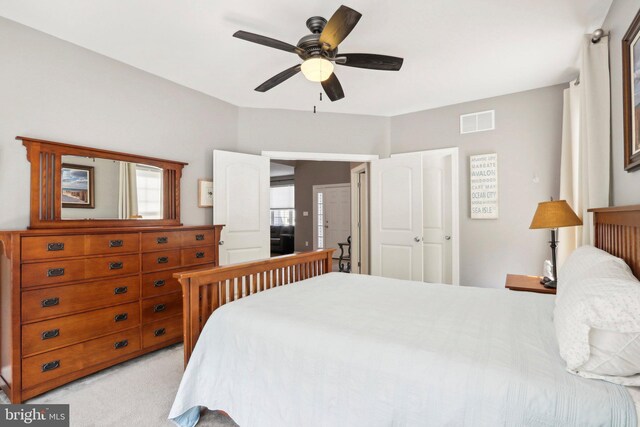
(478, 122)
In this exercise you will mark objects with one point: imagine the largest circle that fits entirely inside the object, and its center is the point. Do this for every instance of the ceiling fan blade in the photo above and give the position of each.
(333, 88)
(339, 27)
(267, 41)
(279, 78)
(371, 61)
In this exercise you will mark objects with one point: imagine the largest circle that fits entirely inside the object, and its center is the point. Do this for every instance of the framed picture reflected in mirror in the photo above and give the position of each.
(77, 186)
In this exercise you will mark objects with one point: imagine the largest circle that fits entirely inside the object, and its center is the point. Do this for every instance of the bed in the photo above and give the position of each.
(338, 349)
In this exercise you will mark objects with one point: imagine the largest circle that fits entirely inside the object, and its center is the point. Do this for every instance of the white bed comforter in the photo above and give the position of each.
(351, 350)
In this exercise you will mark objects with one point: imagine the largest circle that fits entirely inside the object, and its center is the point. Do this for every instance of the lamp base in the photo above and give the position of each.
(548, 283)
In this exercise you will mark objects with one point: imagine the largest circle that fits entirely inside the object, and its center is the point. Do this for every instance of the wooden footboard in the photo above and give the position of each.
(205, 290)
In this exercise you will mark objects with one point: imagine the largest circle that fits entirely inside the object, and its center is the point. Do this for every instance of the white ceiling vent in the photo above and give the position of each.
(478, 122)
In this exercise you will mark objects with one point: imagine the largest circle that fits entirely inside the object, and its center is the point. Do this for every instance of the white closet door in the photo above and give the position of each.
(437, 217)
(241, 202)
(396, 217)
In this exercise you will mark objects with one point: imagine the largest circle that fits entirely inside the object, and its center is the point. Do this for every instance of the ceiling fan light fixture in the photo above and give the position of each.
(317, 69)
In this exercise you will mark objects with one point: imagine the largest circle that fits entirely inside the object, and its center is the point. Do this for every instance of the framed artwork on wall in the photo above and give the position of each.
(205, 193)
(483, 183)
(77, 186)
(631, 95)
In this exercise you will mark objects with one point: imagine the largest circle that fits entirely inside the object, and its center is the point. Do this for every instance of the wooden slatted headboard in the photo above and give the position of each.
(204, 291)
(617, 231)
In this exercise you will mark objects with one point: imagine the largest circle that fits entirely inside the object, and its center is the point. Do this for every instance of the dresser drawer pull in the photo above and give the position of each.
(159, 332)
(199, 237)
(199, 254)
(120, 344)
(158, 283)
(121, 317)
(163, 260)
(116, 265)
(120, 290)
(115, 243)
(55, 272)
(50, 302)
(159, 307)
(50, 334)
(162, 240)
(51, 366)
(56, 246)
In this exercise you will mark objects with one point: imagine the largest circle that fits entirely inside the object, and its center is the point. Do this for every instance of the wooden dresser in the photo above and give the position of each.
(76, 301)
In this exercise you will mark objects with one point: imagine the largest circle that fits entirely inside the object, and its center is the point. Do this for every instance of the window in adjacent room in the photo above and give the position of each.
(283, 205)
(149, 185)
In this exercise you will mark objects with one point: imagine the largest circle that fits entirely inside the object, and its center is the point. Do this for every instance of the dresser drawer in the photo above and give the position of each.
(154, 261)
(50, 247)
(161, 307)
(60, 271)
(117, 265)
(198, 255)
(161, 331)
(51, 272)
(103, 244)
(61, 300)
(198, 238)
(160, 283)
(161, 241)
(62, 331)
(53, 364)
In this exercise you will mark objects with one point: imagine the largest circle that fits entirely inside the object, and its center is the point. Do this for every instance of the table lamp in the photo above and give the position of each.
(553, 215)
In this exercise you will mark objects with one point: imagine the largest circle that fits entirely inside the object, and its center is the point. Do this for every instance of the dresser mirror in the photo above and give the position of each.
(98, 188)
(75, 186)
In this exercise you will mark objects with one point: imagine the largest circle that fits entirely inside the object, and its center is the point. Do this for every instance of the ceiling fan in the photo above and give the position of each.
(319, 51)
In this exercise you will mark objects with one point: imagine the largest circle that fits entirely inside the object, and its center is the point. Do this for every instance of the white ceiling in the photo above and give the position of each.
(454, 51)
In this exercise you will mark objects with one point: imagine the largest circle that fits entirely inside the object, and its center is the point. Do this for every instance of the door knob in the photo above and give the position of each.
(417, 239)
(221, 242)
(447, 237)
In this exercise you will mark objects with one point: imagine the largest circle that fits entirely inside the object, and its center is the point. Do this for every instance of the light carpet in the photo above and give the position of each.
(139, 392)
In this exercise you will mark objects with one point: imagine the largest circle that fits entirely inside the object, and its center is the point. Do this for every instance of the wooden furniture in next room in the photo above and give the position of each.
(518, 282)
(76, 295)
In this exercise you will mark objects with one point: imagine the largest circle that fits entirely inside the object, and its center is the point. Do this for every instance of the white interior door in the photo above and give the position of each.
(396, 217)
(441, 215)
(437, 217)
(332, 212)
(241, 202)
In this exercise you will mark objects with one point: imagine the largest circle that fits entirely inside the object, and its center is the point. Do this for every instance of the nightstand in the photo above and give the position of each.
(518, 282)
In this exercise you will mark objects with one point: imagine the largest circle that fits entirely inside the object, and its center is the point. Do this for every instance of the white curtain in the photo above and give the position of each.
(128, 191)
(586, 144)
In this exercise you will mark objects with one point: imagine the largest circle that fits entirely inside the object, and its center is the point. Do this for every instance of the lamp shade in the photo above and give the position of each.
(554, 214)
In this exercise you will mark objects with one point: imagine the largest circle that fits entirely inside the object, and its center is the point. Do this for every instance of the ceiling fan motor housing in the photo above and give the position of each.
(311, 42)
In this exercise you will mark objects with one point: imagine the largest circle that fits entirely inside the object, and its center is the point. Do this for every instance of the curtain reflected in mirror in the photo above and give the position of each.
(110, 189)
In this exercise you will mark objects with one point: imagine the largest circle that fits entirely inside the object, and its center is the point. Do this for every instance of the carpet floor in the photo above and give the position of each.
(139, 392)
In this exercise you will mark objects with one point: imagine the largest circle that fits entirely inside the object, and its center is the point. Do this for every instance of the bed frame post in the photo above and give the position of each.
(204, 291)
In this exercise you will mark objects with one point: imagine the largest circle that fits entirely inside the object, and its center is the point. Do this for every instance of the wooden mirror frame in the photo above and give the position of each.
(46, 179)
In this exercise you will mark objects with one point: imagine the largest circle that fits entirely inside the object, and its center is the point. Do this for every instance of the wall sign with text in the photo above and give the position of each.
(483, 177)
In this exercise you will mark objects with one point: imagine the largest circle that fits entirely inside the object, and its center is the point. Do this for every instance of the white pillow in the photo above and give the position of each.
(583, 263)
(597, 318)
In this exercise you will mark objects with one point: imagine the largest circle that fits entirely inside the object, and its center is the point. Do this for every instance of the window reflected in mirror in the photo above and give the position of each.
(95, 188)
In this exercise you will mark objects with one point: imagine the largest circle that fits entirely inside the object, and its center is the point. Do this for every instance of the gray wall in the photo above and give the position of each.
(55, 90)
(527, 139)
(625, 185)
(308, 174)
(284, 130)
